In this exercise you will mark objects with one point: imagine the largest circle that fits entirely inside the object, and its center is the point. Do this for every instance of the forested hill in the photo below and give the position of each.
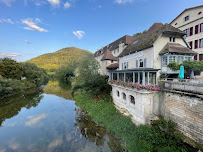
(65, 56)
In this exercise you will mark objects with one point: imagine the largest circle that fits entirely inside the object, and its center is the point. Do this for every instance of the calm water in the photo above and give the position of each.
(48, 120)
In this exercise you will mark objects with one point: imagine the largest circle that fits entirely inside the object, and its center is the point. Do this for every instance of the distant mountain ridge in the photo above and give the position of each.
(65, 56)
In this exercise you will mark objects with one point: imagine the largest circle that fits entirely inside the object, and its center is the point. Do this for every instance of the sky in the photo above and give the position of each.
(29, 28)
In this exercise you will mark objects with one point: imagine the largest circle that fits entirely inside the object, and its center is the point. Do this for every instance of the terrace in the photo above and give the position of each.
(139, 75)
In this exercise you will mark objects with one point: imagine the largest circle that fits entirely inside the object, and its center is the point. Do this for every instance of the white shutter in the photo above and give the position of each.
(127, 65)
(122, 66)
(136, 63)
(145, 63)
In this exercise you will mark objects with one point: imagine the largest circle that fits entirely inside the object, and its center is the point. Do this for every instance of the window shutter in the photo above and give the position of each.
(127, 65)
(145, 63)
(122, 66)
(136, 63)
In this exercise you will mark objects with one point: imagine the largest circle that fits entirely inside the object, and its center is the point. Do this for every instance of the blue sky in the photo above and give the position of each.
(29, 28)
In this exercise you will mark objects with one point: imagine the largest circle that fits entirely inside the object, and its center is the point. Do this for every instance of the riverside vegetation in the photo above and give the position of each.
(16, 77)
(92, 93)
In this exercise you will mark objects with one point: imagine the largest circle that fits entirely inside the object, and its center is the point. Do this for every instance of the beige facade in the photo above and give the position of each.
(150, 55)
(191, 21)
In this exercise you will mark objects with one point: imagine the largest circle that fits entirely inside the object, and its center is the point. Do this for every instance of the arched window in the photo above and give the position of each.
(124, 96)
(132, 99)
(118, 93)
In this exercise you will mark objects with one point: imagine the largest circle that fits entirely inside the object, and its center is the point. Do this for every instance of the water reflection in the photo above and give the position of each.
(40, 122)
(59, 89)
(10, 107)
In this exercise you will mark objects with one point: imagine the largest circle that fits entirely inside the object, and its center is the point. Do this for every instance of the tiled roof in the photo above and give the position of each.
(113, 66)
(125, 39)
(108, 56)
(176, 48)
(148, 39)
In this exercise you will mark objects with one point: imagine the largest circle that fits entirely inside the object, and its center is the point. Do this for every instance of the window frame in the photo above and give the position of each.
(186, 18)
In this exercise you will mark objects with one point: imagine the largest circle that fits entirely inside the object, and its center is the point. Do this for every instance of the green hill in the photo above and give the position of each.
(52, 61)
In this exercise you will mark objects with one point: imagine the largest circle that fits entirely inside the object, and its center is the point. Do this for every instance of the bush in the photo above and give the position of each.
(174, 66)
(10, 87)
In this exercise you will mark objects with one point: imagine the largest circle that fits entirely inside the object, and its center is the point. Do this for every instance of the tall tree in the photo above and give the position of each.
(10, 68)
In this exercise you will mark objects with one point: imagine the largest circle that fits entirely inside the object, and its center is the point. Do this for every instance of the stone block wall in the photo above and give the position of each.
(187, 112)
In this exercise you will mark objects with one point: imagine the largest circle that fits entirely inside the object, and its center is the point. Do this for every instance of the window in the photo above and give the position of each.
(125, 65)
(118, 93)
(201, 27)
(132, 99)
(201, 43)
(195, 57)
(188, 58)
(164, 60)
(111, 61)
(186, 18)
(199, 13)
(172, 59)
(141, 63)
(190, 44)
(172, 39)
(124, 96)
(176, 23)
(201, 57)
(191, 31)
(196, 44)
(196, 29)
(180, 59)
(187, 32)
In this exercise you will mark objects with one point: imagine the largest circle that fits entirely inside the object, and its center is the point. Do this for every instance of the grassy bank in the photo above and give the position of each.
(135, 139)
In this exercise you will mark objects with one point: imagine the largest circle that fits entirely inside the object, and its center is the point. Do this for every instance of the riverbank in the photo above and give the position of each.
(134, 138)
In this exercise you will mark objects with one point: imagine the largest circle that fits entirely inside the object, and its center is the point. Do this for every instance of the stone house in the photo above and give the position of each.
(191, 22)
(107, 56)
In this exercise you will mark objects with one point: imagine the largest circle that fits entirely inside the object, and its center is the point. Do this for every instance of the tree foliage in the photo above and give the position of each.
(64, 57)
(89, 78)
(10, 68)
(65, 73)
(34, 75)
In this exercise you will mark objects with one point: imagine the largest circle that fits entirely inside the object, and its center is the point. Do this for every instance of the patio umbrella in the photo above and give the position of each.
(181, 73)
(192, 76)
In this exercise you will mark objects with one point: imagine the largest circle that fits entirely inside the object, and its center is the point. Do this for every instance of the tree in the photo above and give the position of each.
(64, 73)
(10, 69)
(35, 75)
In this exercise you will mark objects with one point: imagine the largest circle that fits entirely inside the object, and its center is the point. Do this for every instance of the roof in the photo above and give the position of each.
(176, 48)
(137, 70)
(108, 56)
(113, 66)
(125, 39)
(148, 39)
(187, 10)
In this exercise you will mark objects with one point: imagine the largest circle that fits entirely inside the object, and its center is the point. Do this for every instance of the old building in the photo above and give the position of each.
(107, 56)
(140, 65)
(191, 22)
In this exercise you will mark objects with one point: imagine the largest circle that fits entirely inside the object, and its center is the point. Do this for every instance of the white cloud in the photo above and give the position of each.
(31, 25)
(28, 42)
(54, 2)
(79, 34)
(123, 1)
(7, 2)
(67, 5)
(6, 21)
(35, 119)
(39, 2)
(10, 54)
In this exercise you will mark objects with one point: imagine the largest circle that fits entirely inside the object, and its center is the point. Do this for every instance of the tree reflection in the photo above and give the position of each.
(95, 133)
(9, 107)
(59, 89)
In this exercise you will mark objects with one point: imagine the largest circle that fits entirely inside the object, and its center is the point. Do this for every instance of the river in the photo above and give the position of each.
(49, 120)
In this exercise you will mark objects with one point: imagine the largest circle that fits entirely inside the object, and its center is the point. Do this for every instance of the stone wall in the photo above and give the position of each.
(144, 108)
(187, 112)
